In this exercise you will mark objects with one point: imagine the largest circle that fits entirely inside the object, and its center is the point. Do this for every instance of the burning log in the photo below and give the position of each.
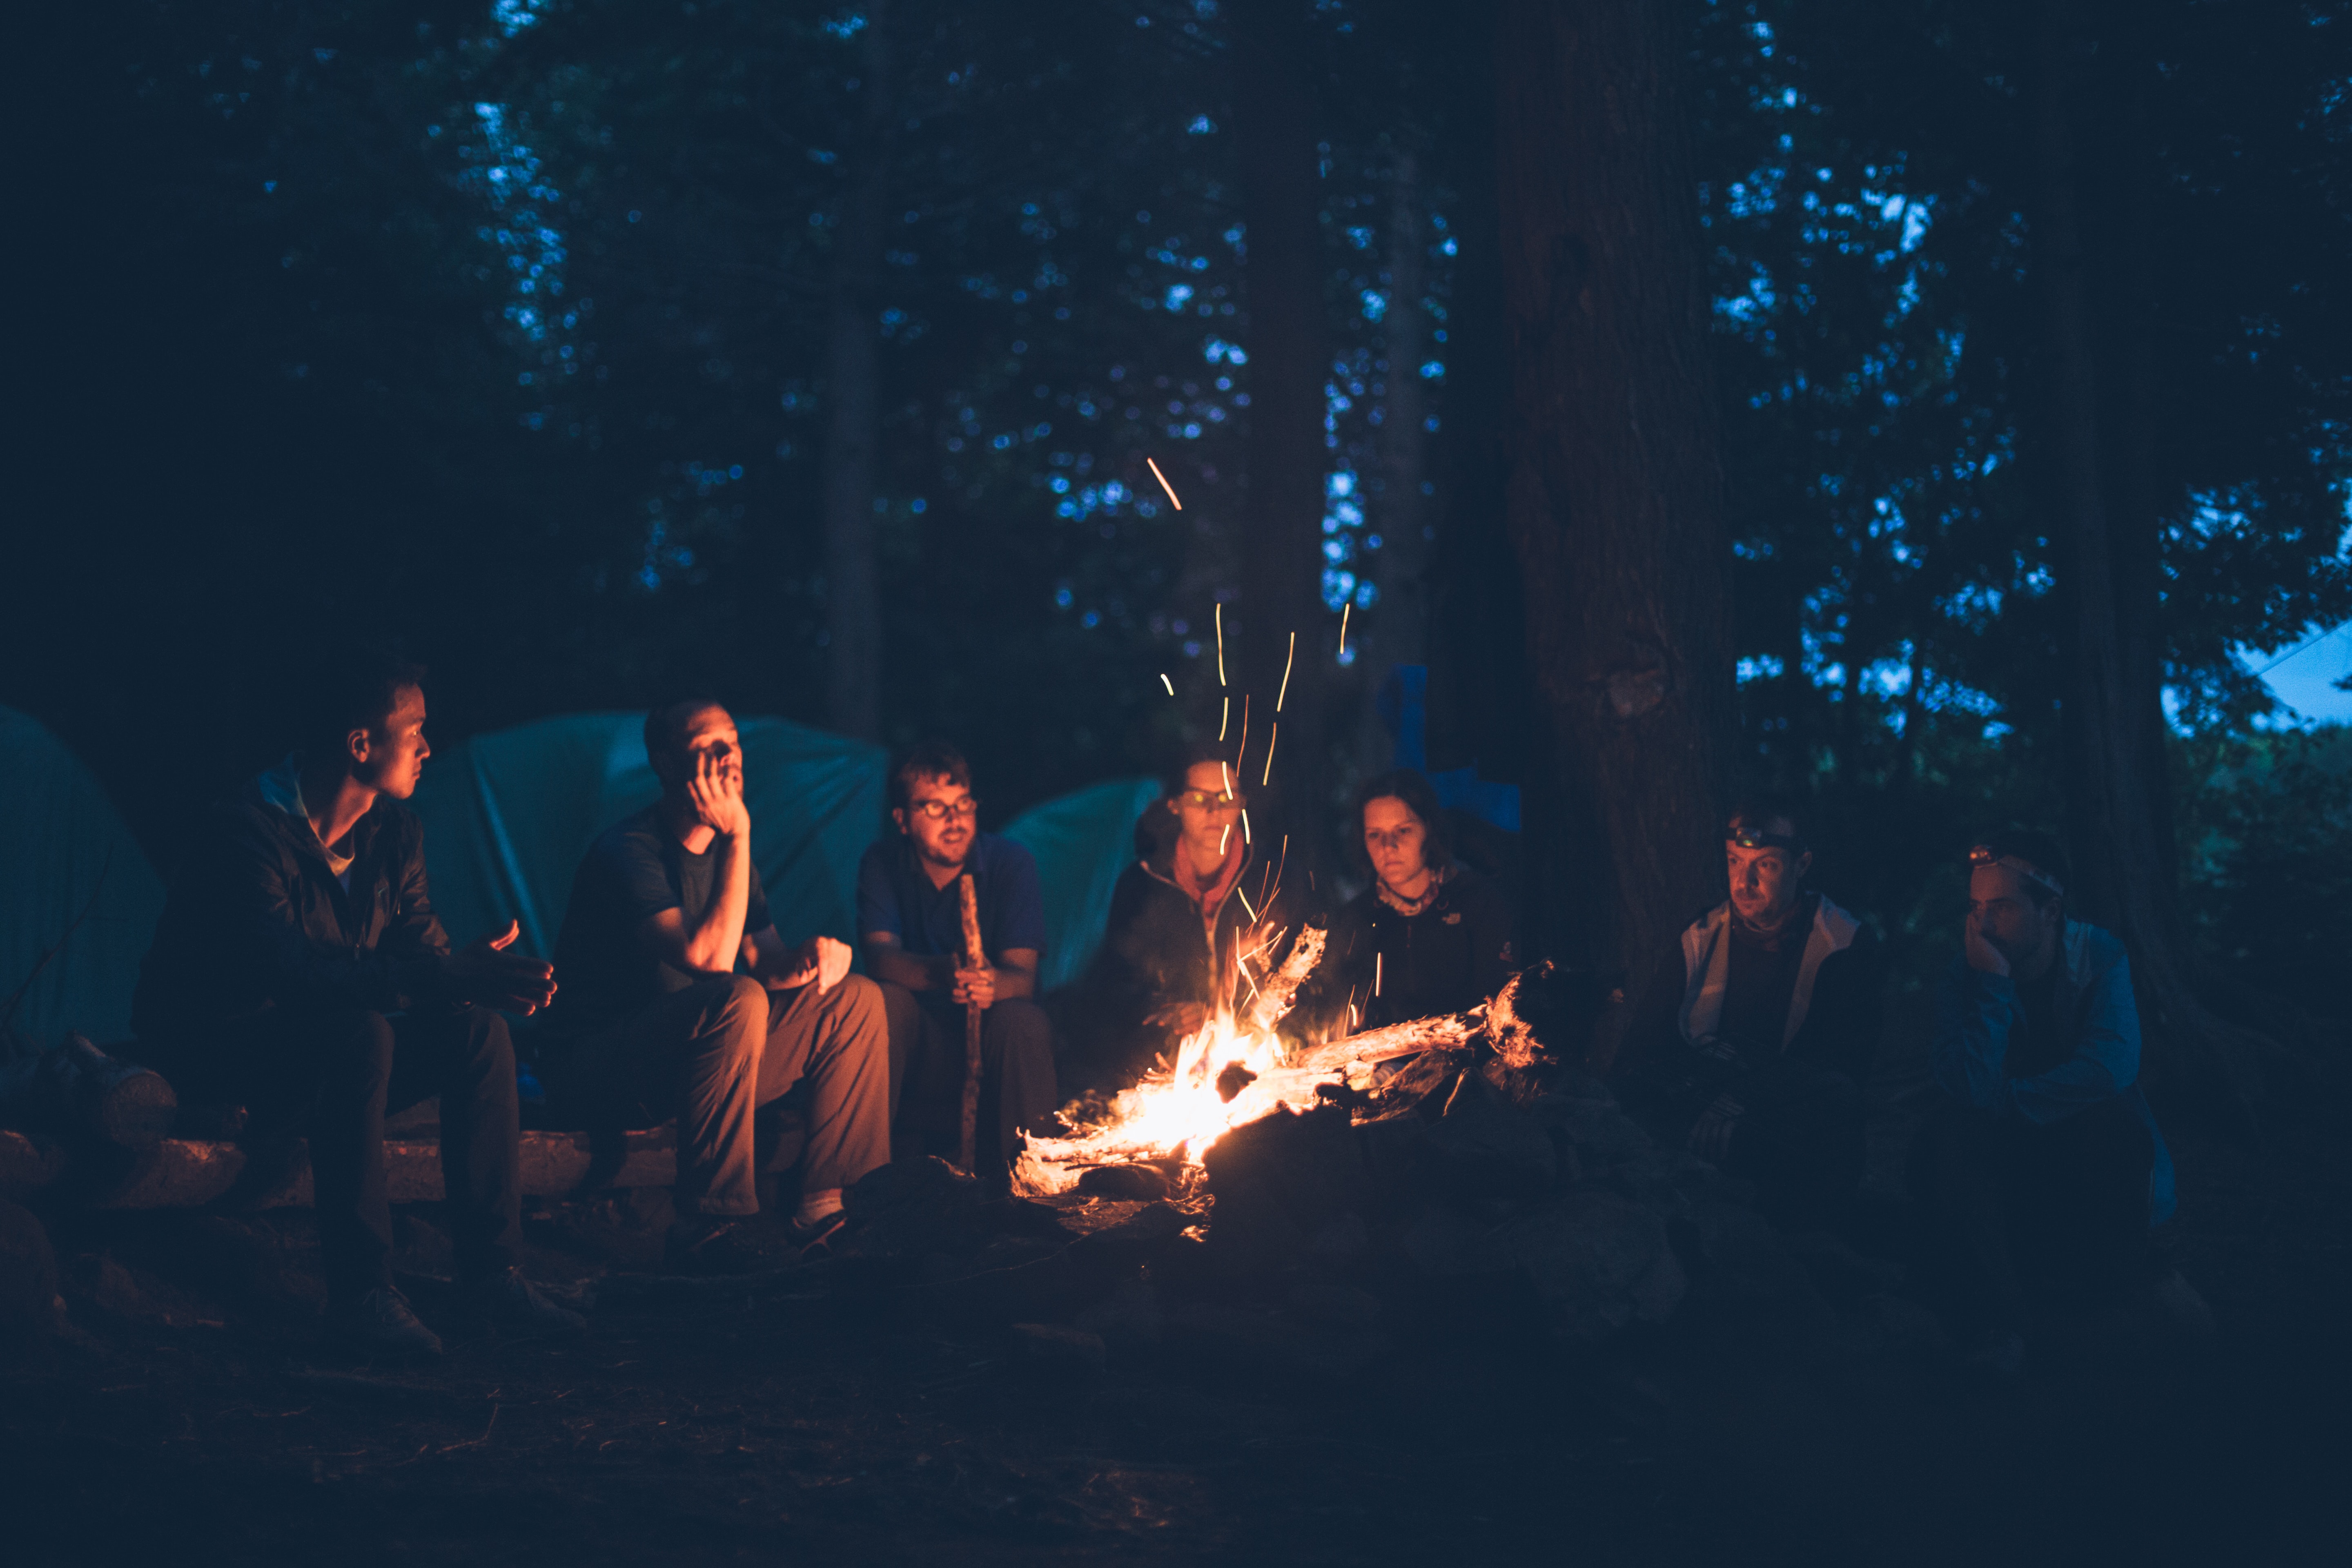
(1449, 1032)
(1274, 998)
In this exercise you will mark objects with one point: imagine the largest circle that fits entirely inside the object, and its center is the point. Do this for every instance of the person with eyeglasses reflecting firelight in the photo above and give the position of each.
(910, 921)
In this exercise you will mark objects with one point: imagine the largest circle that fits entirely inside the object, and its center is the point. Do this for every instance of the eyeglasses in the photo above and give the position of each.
(942, 810)
(1747, 837)
(1211, 800)
(1987, 855)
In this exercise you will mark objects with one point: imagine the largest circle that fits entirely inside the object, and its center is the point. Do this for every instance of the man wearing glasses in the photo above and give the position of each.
(2042, 1164)
(1757, 1034)
(910, 918)
(689, 1002)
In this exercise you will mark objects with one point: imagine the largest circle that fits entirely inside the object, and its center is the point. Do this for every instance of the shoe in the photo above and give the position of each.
(513, 1304)
(807, 1237)
(1996, 1357)
(381, 1322)
(712, 1247)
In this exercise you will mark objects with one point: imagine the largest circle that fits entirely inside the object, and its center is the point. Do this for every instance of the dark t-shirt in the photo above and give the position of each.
(896, 895)
(635, 871)
(1761, 984)
(2041, 1044)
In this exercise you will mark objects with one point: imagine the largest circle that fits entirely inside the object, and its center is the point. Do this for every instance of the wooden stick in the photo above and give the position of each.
(973, 958)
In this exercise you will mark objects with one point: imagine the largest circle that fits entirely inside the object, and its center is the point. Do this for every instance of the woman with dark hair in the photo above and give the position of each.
(1429, 936)
(1204, 895)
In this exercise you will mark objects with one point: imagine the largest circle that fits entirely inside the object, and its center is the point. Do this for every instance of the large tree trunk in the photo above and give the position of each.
(1281, 553)
(1615, 496)
(2117, 803)
(1402, 566)
(854, 390)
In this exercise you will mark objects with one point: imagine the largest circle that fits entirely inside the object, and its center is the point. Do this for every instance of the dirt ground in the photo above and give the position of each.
(192, 1413)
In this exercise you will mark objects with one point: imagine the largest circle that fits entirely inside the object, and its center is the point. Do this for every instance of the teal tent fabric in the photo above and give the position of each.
(58, 835)
(508, 817)
(1082, 842)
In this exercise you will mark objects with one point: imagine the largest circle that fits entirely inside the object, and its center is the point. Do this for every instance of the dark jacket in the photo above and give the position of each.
(256, 921)
(1156, 951)
(1671, 1058)
(1984, 1060)
(1454, 953)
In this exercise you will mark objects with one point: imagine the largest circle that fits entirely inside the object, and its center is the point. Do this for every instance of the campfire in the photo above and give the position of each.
(1235, 1069)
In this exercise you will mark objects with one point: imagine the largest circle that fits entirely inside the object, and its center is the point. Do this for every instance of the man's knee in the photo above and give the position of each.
(488, 1042)
(734, 1020)
(865, 1002)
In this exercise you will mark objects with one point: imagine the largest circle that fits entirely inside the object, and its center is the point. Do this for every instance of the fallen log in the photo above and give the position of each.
(187, 1173)
(1449, 1032)
(79, 1090)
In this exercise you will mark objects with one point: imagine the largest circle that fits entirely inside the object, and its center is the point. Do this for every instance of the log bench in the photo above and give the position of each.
(186, 1173)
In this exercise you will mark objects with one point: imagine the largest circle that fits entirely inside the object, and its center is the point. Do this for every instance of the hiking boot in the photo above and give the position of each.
(381, 1322)
(512, 1304)
(713, 1246)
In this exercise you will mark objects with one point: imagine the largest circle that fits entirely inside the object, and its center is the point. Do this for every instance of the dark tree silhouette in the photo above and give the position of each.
(1615, 486)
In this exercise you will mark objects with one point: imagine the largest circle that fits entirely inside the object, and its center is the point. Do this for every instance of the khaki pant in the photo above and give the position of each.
(717, 1051)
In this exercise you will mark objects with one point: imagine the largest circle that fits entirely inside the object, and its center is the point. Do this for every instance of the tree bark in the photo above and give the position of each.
(1615, 494)
(2117, 807)
(854, 388)
(1404, 563)
(1281, 553)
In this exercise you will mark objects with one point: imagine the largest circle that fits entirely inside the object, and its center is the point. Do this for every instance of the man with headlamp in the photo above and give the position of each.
(2042, 1164)
(1756, 1033)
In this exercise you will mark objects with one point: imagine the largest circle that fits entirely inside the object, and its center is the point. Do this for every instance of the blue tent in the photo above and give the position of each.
(62, 849)
(508, 817)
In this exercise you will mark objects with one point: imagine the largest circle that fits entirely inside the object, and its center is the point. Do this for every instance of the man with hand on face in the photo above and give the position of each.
(1429, 936)
(1759, 1030)
(2043, 1165)
(687, 1000)
(299, 970)
(911, 912)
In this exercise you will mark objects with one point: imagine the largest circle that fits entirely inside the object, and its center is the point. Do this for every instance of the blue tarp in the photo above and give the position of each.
(57, 834)
(1082, 841)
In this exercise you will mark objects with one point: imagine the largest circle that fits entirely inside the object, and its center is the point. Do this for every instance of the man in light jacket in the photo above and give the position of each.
(2042, 1164)
(1756, 1033)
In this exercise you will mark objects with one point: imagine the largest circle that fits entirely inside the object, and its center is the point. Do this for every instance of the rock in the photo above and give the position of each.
(1748, 1280)
(1059, 1351)
(1278, 1180)
(1658, 1178)
(1603, 1135)
(1441, 1242)
(1125, 1182)
(28, 1277)
(1395, 1149)
(1598, 1262)
(1486, 1146)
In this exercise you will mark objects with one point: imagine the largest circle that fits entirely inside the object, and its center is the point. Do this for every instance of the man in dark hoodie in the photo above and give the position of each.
(1758, 1029)
(299, 970)
(1204, 898)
